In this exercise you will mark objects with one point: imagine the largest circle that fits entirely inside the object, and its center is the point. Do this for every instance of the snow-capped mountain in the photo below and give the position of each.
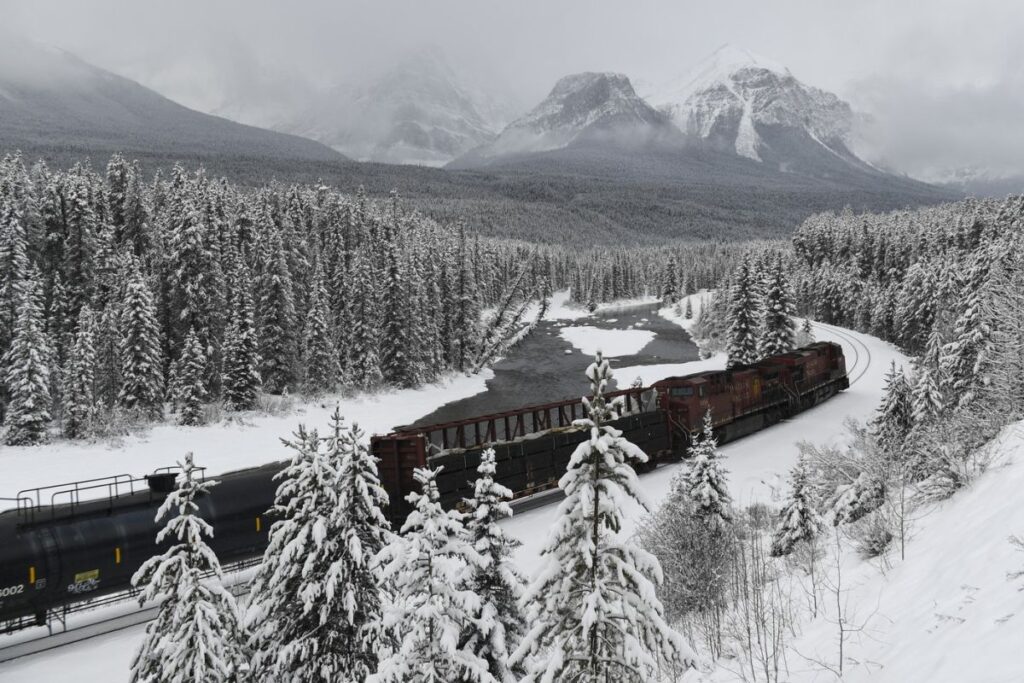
(738, 101)
(584, 107)
(420, 112)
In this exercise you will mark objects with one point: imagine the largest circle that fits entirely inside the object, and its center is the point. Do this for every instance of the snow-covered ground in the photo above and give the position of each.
(561, 308)
(222, 447)
(949, 611)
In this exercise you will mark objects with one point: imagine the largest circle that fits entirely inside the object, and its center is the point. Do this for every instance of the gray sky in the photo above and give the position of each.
(944, 79)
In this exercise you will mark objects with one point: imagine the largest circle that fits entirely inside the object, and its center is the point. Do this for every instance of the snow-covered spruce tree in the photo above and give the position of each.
(798, 522)
(430, 612)
(241, 381)
(396, 362)
(894, 417)
(316, 601)
(276, 317)
(779, 332)
(363, 534)
(191, 388)
(79, 401)
(670, 281)
(107, 339)
(13, 268)
(688, 311)
(744, 315)
(141, 377)
(496, 579)
(964, 356)
(319, 357)
(363, 361)
(706, 481)
(926, 400)
(592, 608)
(27, 374)
(197, 634)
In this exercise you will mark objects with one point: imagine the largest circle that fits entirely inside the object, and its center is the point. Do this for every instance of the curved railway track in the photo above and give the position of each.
(861, 352)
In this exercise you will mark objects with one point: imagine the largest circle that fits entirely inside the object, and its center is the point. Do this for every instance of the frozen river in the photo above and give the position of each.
(548, 365)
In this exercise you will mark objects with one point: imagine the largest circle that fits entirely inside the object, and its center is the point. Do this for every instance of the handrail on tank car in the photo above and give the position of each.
(73, 490)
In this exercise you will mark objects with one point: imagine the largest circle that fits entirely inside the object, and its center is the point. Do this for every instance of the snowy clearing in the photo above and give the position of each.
(222, 447)
(612, 343)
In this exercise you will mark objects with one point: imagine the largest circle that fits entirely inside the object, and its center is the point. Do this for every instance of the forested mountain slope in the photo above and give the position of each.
(55, 105)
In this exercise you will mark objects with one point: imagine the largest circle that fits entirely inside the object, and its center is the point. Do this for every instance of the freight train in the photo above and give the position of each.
(71, 545)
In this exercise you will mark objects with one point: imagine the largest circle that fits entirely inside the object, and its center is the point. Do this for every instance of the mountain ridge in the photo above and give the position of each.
(53, 103)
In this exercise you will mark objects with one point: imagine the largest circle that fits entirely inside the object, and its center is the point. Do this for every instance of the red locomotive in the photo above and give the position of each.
(533, 444)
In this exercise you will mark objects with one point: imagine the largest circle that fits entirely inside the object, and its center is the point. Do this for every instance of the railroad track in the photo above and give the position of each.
(861, 352)
(93, 629)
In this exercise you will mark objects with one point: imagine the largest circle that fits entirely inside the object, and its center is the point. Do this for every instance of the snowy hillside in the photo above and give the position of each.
(754, 106)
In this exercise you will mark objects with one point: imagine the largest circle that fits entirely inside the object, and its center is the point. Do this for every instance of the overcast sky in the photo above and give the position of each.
(944, 79)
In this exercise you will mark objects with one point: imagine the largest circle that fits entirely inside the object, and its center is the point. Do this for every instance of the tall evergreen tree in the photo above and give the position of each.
(363, 533)
(141, 380)
(276, 317)
(191, 387)
(670, 281)
(706, 479)
(197, 635)
(319, 357)
(430, 612)
(495, 580)
(13, 269)
(593, 610)
(79, 401)
(107, 338)
(27, 374)
(363, 363)
(926, 398)
(799, 522)
(895, 414)
(779, 333)
(315, 601)
(396, 361)
(743, 317)
(241, 381)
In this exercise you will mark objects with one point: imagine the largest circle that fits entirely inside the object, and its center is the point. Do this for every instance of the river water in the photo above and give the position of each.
(539, 370)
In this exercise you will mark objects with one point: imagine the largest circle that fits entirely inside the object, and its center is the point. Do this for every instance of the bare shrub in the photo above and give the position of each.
(871, 535)
(276, 404)
(760, 613)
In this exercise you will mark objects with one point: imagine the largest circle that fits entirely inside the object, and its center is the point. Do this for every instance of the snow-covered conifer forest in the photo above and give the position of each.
(126, 298)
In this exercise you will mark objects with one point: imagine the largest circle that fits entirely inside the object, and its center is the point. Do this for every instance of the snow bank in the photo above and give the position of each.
(612, 343)
(561, 308)
(221, 447)
(948, 612)
(676, 313)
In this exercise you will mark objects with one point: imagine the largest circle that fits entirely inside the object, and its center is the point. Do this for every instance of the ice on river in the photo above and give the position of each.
(612, 343)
